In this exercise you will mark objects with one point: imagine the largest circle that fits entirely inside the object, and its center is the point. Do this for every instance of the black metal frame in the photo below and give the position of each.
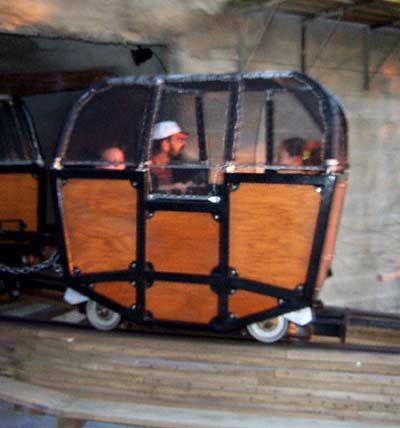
(25, 242)
(22, 241)
(223, 279)
(35, 166)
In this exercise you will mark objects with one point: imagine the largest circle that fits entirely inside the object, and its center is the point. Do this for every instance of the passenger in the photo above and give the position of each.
(115, 156)
(290, 152)
(312, 153)
(168, 142)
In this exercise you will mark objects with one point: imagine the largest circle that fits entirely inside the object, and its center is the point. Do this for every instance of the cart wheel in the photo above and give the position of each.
(270, 330)
(9, 291)
(101, 317)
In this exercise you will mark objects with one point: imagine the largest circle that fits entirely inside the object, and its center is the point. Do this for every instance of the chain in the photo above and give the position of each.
(25, 270)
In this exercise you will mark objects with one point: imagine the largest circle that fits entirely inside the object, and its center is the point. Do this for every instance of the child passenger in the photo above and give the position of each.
(290, 152)
(115, 156)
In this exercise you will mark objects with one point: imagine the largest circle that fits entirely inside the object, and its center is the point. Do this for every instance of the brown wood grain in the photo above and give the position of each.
(100, 223)
(330, 238)
(19, 197)
(120, 292)
(243, 303)
(199, 373)
(182, 302)
(182, 242)
(271, 231)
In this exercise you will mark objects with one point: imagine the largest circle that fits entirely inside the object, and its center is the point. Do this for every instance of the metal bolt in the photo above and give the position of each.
(233, 272)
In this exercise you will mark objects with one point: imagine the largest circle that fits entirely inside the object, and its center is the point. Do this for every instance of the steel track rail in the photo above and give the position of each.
(151, 331)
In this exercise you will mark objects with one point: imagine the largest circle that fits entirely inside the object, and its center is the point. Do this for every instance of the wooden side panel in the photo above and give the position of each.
(330, 239)
(123, 293)
(182, 302)
(243, 303)
(19, 198)
(100, 223)
(272, 230)
(182, 242)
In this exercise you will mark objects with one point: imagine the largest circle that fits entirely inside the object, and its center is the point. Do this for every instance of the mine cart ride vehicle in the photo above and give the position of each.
(200, 201)
(23, 238)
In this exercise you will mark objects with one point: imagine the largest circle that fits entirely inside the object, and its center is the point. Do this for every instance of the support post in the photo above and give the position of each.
(303, 47)
(366, 42)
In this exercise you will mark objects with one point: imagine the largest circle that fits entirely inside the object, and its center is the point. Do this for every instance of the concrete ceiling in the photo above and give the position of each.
(130, 21)
(373, 13)
(160, 21)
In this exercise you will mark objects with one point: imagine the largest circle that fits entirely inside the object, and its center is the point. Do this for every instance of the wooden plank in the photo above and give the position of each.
(190, 391)
(194, 350)
(186, 243)
(120, 292)
(19, 199)
(100, 220)
(72, 407)
(214, 375)
(243, 303)
(271, 232)
(179, 301)
(146, 378)
(182, 242)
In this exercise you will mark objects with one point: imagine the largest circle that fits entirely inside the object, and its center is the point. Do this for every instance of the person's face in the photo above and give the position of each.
(177, 143)
(284, 158)
(114, 155)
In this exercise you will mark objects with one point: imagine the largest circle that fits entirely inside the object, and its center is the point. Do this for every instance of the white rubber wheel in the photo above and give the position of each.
(270, 330)
(101, 317)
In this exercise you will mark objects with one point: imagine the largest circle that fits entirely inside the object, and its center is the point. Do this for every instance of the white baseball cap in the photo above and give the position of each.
(166, 128)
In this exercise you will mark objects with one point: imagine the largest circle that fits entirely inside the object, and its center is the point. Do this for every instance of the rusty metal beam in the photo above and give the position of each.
(389, 23)
(365, 57)
(338, 11)
(23, 84)
(262, 7)
(391, 51)
(303, 47)
(271, 3)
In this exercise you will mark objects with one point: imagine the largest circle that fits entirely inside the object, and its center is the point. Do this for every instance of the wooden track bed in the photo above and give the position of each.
(204, 375)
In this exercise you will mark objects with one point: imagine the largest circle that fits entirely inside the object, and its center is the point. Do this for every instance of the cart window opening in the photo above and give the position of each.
(271, 122)
(109, 128)
(298, 116)
(17, 141)
(250, 150)
(187, 148)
